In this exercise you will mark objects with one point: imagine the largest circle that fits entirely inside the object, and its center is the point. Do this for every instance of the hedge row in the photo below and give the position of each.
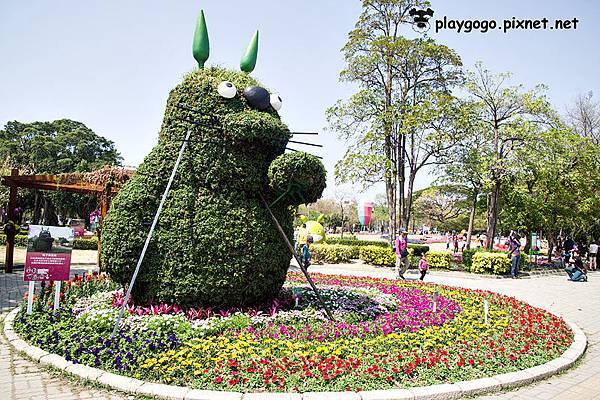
(78, 244)
(474, 261)
(352, 241)
(333, 253)
(376, 255)
(442, 259)
(490, 263)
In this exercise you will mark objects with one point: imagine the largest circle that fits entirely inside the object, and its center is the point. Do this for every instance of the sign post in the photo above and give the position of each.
(30, 296)
(48, 258)
(56, 294)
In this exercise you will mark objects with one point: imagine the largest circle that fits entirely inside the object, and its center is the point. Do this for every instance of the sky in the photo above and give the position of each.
(111, 64)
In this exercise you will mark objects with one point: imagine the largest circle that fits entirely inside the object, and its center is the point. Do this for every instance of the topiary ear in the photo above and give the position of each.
(303, 218)
(200, 46)
(320, 218)
(248, 61)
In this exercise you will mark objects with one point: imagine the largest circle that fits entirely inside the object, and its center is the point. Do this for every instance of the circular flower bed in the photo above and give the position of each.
(386, 334)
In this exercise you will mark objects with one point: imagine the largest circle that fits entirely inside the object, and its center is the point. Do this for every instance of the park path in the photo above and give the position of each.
(23, 379)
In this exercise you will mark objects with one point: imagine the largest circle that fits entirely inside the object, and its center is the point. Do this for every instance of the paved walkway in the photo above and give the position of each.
(21, 379)
(580, 302)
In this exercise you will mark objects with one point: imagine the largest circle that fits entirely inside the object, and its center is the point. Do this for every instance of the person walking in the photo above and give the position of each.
(598, 254)
(296, 236)
(448, 240)
(401, 255)
(514, 253)
(423, 266)
(593, 253)
(455, 239)
(306, 256)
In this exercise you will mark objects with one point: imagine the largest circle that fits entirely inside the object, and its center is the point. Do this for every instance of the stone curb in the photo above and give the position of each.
(437, 392)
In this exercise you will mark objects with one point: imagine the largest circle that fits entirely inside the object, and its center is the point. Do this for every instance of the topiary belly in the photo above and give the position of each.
(217, 248)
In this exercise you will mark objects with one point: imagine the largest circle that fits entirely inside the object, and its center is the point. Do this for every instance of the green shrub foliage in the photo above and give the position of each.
(467, 258)
(352, 241)
(333, 253)
(490, 263)
(215, 243)
(86, 244)
(377, 255)
(439, 259)
(418, 249)
(20, 240)
(309, 177)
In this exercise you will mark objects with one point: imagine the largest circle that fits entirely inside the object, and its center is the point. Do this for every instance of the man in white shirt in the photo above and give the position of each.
(593, 251)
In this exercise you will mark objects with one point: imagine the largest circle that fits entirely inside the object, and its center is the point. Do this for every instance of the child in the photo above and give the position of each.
(306, 256)
(423, 266)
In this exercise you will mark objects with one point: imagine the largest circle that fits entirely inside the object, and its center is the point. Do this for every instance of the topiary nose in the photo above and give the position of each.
(257, 97)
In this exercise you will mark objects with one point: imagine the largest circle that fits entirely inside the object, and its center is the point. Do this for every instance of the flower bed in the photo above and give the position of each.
(386, 334)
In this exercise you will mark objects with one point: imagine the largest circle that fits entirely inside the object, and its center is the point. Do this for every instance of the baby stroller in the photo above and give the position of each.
(576, 271)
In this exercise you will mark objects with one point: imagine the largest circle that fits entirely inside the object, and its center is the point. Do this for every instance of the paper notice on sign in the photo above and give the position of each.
(48, 253)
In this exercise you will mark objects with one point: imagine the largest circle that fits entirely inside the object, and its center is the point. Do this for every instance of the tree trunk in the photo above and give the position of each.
(36, 207)
(492, 219)
(472, 217)
(550, 245)
(389, 189)
(49, 217)
(409, 196)
(527, 242)
(401, 182)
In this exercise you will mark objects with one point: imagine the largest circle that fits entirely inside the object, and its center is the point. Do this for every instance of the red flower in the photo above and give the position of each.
(218, 379)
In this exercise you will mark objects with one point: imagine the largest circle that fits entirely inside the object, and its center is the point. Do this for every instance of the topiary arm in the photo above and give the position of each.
(296, 178)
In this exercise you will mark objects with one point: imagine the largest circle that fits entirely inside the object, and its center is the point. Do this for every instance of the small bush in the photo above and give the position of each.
(467, 258)
(20, 240)
(86, 244)
(332, 253)
(418, 249)
(439, 259)
(377, 255)
(490, 263)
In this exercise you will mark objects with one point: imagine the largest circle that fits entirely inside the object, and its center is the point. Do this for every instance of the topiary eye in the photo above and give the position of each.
(276, 102)
(227, 89)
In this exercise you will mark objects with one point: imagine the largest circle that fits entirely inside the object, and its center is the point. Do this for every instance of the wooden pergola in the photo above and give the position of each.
(75, 183)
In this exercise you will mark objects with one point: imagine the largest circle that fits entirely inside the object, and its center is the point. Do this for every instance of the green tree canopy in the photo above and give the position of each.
(60, 146)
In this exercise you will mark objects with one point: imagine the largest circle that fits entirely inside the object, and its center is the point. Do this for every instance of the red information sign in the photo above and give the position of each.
(48, 253)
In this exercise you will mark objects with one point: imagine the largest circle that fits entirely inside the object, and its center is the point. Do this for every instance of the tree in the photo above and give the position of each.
(584, 116)
(464, 164)
(441, 206)
(432, 126)
(556, 188)
(55, 147)
(393, 73)
(508, 118)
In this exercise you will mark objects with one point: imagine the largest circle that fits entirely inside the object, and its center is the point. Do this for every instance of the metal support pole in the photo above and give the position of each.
(291, 248)
(149, 237)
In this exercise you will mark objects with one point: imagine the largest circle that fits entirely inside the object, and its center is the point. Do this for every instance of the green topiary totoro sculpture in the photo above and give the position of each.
(215, 243)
